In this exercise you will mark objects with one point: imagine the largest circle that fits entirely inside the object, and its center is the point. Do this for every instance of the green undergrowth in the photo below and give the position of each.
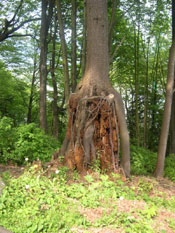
(143, 162)
(24, 143)
(55, 203)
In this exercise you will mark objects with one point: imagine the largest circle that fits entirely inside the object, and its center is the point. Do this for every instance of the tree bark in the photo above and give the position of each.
(146, 100)
(73, 54)
(54, 83)
(136, 74)
(45, 22)
(168, 104)
(84, 44)
(29, 115)
(43, 66)
(166, 115)
(64, 51)
(96, 112)
(112, 23)
(172, 127)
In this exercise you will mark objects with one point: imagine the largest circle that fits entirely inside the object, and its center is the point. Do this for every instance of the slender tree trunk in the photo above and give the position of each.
(43, 66)
(172, 128)
(29, 115)
(96, 111)
(73, 54)
(172, 132)
(136, 55)
(84, 44)
(45, 22)
(111, 24)
(146, 100)
(64, 51)
(166, 115)
(168, 104)
(54, 83)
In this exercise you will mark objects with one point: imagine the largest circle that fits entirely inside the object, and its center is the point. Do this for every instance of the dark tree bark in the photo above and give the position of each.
(45, 22)
(29, 115)
(54, 83)
(168, 104)
(96, 113)
(64, 51)
(136, 74)
(73, 54)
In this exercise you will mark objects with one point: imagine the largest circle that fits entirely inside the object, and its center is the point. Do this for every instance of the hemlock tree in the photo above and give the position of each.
(96, 112)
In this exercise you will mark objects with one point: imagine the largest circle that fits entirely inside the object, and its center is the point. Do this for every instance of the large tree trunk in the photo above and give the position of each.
(96, 113)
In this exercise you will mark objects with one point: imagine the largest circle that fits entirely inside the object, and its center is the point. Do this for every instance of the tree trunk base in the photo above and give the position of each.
(92, 132)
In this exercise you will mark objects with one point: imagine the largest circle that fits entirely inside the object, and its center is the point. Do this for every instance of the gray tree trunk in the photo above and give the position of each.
(166, 115)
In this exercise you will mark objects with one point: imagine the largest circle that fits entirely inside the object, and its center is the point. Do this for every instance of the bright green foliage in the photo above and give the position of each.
(169, 167)
(33, 144)
(7, 138)
(13, 96)
(26, 142)
(35, 203)
(142, 161)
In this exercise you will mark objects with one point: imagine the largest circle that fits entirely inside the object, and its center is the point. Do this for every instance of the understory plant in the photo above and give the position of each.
(25, 142)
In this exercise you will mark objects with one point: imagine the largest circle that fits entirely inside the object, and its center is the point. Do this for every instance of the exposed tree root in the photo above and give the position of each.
(92, 132)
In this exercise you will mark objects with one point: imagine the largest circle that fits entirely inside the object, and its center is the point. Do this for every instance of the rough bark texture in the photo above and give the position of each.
(96, 113)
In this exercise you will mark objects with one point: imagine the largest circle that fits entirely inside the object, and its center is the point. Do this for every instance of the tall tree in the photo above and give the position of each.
(73, 52)
(64, 51)
(168, 103)
(16, 18)
(54, 82)
(47, 11)
(96, 109)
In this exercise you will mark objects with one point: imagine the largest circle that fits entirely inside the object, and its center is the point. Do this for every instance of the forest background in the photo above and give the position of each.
(139, 41)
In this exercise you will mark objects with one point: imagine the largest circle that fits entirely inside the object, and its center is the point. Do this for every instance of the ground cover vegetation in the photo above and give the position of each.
(58, 107)
(53, 199)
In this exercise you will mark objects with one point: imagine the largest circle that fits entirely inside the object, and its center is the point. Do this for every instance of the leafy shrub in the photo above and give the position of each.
(24, 142)
(7, 138)
(169, 167)
(33, 144)
(143, 161)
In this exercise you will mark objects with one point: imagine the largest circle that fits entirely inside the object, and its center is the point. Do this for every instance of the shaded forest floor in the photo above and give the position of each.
(91, 203)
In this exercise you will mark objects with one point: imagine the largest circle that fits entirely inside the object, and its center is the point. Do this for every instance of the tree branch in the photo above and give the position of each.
(4, 35)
